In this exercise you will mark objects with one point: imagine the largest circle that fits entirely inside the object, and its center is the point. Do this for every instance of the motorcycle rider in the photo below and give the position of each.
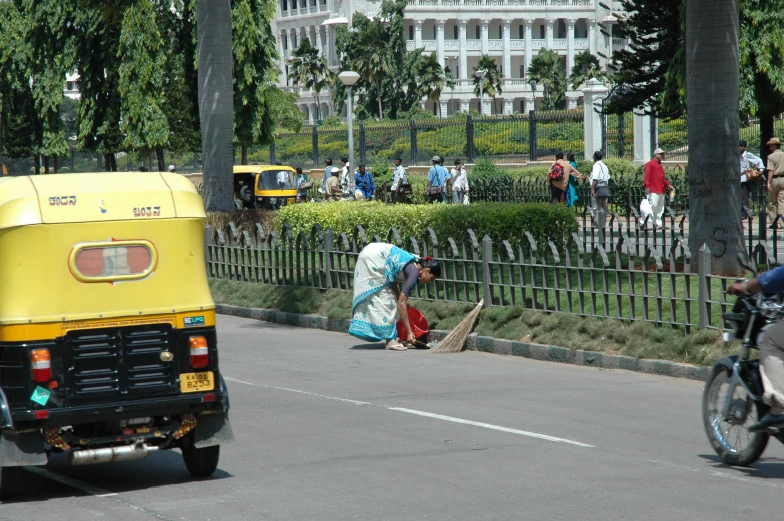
(771, 348)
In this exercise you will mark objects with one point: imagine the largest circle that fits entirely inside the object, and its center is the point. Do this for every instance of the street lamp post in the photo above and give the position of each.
(533, 90)
(349, 78)
(481, 75)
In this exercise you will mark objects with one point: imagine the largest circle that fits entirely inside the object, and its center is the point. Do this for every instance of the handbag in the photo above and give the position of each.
(603, 191)
(434, 190)
(405, 189)
(752, 174)
(307, 185)
(466, 200)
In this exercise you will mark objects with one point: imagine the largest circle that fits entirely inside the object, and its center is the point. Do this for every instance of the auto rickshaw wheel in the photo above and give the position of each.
(8, 478)
(200, 462)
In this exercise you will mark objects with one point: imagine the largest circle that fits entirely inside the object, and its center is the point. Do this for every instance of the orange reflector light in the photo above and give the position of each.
(41, 415)
(41, 364)
(200, 354)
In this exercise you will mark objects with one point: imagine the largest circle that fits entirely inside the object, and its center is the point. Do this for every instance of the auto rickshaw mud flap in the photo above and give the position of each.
(20, 449)
(214, 429)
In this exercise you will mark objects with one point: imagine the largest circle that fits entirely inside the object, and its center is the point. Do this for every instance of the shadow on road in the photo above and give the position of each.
(768, 468)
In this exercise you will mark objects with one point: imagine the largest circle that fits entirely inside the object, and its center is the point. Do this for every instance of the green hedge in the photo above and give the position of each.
(501, 221)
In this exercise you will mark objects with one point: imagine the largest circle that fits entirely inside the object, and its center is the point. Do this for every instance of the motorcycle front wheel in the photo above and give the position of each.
(729, 436)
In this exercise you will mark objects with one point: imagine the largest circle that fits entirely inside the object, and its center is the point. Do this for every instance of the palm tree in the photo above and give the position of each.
(712, 87)
(548, 71)
(431, 79)
(491, 82)
(216, 104)
(370, 59)
(309, 70)
(586, 66)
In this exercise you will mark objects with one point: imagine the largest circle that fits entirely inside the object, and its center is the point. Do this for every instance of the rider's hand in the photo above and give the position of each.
(737, 288)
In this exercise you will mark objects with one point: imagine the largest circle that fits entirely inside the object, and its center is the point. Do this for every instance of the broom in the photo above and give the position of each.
(455, 341)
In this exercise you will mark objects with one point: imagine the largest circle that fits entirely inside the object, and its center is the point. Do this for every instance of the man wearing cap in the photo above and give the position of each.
(655, 185)
(775, 180)
(327, 175)
(333, 191)
(172, 169)
(436, 181)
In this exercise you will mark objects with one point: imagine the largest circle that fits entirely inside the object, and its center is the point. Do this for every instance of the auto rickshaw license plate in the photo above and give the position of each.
(195, 382)
(290, 200)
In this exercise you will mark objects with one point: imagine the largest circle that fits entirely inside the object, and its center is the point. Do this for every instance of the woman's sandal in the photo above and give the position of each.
(394, 345)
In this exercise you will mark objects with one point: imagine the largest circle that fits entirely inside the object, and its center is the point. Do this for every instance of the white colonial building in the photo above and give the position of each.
(459, 32)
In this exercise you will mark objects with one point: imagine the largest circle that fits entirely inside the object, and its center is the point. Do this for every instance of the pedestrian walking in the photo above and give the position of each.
(303, 185)
(437, 177)
(399, 179)
(600, 190)
(366, 185)
(558, 178)
(344, 174)
(775, 180)
(570, 197)
(751, 169)
(327, 175)
(656, 185)
(459, 182)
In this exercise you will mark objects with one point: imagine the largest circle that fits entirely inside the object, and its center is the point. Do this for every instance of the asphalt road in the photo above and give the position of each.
(329, 428)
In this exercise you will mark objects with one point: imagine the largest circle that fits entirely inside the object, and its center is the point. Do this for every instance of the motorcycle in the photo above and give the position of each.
(732, 397)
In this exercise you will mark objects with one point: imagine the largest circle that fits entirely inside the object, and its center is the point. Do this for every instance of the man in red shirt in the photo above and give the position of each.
(655, 185)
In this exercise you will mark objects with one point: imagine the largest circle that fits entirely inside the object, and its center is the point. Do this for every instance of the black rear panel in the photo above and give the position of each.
(114, 362)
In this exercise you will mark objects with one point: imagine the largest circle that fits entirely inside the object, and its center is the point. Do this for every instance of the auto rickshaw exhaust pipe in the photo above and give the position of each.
(124, 453)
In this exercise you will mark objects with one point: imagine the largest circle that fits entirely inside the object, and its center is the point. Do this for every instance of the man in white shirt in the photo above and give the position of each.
(459, 182)
(600, 192)
(398, 180)
(748, 161)
(283, 176)
(344, 174)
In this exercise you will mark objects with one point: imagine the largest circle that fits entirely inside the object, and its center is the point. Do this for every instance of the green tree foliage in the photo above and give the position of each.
(431, 77)
(16, 100)
(309, 70)
(586, 67)
(548, 71)
(492, 81)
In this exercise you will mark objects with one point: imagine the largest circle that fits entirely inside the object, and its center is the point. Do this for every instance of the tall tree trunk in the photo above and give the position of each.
(56, 164)
(244, 152)
(318, 107)
(712, 86)
(161, 160)
(46, 164)
(766, 132)
(378, 97)
(107, 162)
(216, 105)
(37, 163)
(113, 162)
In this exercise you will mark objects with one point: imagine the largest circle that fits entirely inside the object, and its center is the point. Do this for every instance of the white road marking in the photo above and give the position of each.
(490, 426)
(423, 413)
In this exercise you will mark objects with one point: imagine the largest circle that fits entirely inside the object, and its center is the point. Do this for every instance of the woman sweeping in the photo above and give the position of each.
(381, 269)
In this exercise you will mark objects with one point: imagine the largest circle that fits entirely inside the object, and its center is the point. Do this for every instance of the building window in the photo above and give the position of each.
(541, 32)
(285, 43)
(561, 29)
(478, 34)
(410, 32)
(521, 32)
(455, 32)
(293, 4)
(294, 40)
(285, 5)
(522, 71)
(69, 85)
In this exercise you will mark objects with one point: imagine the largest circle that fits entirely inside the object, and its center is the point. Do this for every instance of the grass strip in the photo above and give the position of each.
(638, 339)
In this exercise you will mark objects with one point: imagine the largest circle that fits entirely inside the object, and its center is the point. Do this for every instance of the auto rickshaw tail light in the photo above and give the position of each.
(200, 354)
(41, 363)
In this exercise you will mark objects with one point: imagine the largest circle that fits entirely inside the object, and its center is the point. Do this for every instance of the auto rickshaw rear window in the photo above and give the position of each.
(277, 179)
(112, 261)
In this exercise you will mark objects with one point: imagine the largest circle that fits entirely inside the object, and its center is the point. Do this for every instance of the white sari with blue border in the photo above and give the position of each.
(374, 307)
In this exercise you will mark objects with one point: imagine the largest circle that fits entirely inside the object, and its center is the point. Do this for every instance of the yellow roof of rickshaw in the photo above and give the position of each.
(254, 169)
(103, 196)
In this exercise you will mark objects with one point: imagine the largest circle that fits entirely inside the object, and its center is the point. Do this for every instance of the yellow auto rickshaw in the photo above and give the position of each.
(268, 187)
(108, 349)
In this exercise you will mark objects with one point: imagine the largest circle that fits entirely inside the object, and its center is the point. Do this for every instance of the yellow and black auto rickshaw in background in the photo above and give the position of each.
(267, 187)
(108, 349)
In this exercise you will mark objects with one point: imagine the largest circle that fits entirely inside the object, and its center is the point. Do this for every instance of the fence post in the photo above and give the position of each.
(469, 139)
(621, 143)
(362, 147)
(532, 134)
(487, 255)
(272, 153)
(315, 147)
(329, 237)
(703, 270)
(414, 154)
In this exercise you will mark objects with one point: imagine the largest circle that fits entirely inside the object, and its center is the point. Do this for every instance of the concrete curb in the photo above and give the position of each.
(490, 345)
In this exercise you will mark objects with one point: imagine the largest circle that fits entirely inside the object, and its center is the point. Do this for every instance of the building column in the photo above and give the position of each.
(528, 44)
(485, 30)
(571, 102)
(443, 108)
(507, 49)
(417, 34)
(463, 54)
(549, 33)
(530, 102)
(283, 53)
(464, 105)
(314, 112)
(570, 45)
(508, 106)
(440, 42)
(592, 36)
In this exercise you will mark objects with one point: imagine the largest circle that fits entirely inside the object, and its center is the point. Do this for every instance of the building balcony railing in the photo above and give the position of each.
(503, 3)
(559, 44)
